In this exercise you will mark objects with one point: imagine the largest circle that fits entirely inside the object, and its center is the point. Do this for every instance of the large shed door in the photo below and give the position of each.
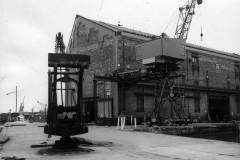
(218, 108)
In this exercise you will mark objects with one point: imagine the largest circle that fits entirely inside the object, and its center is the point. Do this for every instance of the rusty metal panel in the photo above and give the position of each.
(162, 47)
(68, 60)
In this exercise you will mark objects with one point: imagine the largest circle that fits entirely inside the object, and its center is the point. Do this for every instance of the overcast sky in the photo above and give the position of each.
(28, 28)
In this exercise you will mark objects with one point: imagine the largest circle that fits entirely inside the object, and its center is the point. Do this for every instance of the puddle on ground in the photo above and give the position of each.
(90, 143)
(64, 151)
(82, 146)
(12, 158)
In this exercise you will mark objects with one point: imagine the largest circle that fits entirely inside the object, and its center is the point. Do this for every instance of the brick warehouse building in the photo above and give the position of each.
(211, 83)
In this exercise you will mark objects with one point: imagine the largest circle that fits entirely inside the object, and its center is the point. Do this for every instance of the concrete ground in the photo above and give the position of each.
(126, 145)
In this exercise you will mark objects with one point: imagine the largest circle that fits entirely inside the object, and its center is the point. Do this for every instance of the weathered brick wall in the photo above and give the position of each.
(219, 71)
(203, 105)
(149, 105)
(189, 103)
(233, 105)
(101, 64)
(149, 102)
(127, 54)
(98, 42)
(131, 99)
(127, 61)
(103, 46)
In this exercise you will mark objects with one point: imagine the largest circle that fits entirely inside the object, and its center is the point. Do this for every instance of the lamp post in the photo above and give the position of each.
(16, 96)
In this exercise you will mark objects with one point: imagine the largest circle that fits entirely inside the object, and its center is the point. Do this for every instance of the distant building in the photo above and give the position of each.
(4, 118)
(21, 117)
(35, 116)
(211, 84)
(15, 116)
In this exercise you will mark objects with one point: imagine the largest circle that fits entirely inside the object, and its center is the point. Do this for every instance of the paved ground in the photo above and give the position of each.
(126, 145)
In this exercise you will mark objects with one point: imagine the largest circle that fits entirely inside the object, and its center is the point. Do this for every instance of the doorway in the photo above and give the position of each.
(90, 111)
(218, 107)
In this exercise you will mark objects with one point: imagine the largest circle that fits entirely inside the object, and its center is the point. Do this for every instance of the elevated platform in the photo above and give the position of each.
(162, 48)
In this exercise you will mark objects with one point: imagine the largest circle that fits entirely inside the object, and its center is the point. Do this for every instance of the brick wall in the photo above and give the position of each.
(91, 39)
(107, 50)
(220, 71)
(127, 54)
(101, 64)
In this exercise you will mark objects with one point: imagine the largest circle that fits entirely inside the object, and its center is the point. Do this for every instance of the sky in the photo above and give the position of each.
(28, 28)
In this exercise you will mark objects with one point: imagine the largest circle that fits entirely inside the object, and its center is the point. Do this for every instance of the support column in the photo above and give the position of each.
(16, 98)
(95, 101)
(115, 84)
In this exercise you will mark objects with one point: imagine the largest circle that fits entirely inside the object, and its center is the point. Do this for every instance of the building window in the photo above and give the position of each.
(107, 88)
(103, 89)
(237, 100)
(195, 65)
(217, 66)
(236, 75)
(228, 81)
(197, 104)
(237, 72)
(207, 79)
(238, 105)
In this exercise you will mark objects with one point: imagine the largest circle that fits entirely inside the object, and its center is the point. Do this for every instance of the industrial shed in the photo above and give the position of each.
(211, 83)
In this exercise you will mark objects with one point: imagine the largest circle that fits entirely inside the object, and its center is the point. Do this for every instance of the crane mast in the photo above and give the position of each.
(186, 13)
(43, 106)
(22, 105)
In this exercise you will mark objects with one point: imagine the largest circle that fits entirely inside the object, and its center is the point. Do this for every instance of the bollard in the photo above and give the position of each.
(124, 118)
(121, 122)
(118, 122)
(131, 119)
(135, 122)
(144, 120)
